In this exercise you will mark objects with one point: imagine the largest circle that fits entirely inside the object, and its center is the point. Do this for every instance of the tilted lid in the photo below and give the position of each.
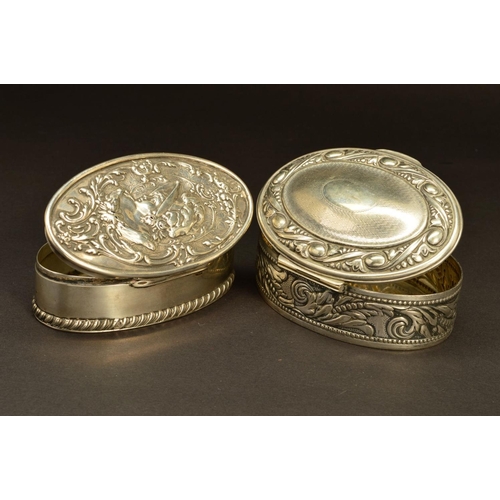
(148, 215)
(360, 215)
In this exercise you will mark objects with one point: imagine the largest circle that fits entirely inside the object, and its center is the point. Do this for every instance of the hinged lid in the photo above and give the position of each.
(360, 215)
(148, 215)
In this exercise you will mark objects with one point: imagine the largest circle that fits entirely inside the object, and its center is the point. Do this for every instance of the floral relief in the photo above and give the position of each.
(359, 260)
(353, 314)
(165, 212)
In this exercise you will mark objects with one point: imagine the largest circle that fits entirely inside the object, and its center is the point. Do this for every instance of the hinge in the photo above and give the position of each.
(147, 282)
(334, 284)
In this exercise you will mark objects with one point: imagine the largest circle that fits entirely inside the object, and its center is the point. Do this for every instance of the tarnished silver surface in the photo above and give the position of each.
(360, 215)
(356, 245)
(404, 315)
(67, 300)
(139, 240)
(148, 215)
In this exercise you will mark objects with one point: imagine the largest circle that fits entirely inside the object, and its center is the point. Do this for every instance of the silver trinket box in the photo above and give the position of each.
(139, 240)
(356, 245)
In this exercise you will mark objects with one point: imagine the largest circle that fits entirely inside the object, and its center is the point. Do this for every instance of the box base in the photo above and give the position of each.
(67, 300)
(409, 315)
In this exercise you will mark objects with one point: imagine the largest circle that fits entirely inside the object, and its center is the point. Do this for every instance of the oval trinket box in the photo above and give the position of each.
(356, 244)
(139, 240)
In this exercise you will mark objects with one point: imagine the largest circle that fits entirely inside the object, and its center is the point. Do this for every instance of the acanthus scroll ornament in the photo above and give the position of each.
(354, 315)
(151, 212)
(351, 259)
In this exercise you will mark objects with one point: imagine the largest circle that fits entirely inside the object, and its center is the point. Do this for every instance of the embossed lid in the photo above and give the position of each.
(148, 215)
(360, 215)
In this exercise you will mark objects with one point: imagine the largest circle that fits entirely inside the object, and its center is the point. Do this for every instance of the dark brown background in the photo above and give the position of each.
(237, 356)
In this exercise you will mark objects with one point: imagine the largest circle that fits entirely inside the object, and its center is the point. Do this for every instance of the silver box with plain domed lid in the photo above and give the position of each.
(139, 240)
(356, 245)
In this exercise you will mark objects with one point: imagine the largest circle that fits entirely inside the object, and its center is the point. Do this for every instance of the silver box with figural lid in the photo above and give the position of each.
(356, 244)
(139, 240)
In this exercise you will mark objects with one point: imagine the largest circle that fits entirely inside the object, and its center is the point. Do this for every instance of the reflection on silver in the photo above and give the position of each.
(406, 315)
(351, 204)
(137, 241)
(392, 220)
(349, 239)
(148, 215)
(67, 300)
